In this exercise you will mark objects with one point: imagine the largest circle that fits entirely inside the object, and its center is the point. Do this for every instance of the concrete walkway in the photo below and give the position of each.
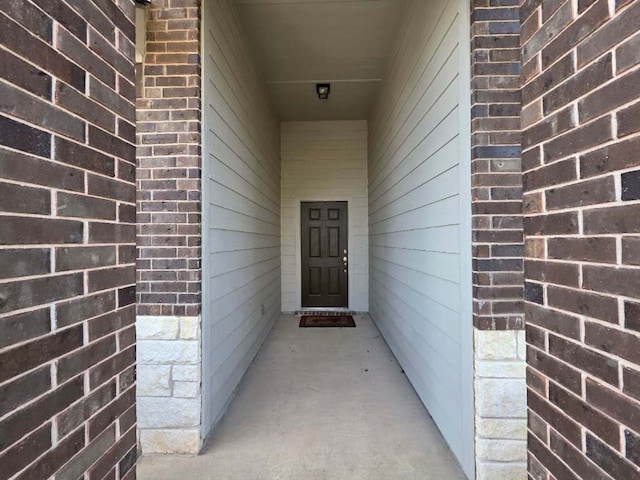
(319, 404)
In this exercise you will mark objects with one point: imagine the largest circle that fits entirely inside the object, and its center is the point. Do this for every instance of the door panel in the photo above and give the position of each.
(314, 242)
(334, 281)
(324, 251)
(334, 242)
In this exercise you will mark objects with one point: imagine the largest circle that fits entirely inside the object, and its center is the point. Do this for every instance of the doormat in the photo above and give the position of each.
(309, 321)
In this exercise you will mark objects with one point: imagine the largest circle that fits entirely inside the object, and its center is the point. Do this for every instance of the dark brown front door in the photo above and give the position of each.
(324, 254)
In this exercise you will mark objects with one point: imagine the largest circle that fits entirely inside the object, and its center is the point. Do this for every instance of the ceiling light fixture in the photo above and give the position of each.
(323, 90)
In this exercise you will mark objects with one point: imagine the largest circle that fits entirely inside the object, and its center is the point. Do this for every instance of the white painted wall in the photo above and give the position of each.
(324, 161)
(419, 215)
(241, 209)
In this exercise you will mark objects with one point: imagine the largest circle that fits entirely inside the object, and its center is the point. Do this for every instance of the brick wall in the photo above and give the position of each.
(169, 231)
(498, 277)
(169, 162)
(496, 166)
(67, 239)
(582, 223)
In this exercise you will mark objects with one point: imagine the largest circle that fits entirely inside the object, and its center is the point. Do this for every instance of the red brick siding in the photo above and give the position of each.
(496, 167)
(169, 224)
(582, 224)
(67, 239)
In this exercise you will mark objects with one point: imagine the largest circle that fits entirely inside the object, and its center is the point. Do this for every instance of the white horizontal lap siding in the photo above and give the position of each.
(325, 161)
(418, 220)
(241, 208)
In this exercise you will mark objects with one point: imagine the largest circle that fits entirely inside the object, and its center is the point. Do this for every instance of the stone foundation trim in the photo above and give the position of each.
(501, 404)
(169, 384)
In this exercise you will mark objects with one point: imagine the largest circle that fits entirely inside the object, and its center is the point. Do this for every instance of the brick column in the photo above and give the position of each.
(582, 190)
(169, 230)
(67, 240)
(497, 241)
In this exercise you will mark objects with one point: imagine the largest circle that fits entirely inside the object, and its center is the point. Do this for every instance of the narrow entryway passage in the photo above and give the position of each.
(319, 403)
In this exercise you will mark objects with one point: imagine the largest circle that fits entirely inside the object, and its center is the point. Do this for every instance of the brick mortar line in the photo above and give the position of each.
(75, 193)
(575, 105)
(84, 425)
(67, 272)
(615, 76)
(66, 138)
(571, 20)
(55, 48)
(576, 155)
(622, 363)
(52, 101)
(80, 219)
(31, 246)
(581, 208)
(583, 428)
(67, 299)
(62, 135)
(576, 70)
(560, 459)
(116, 89)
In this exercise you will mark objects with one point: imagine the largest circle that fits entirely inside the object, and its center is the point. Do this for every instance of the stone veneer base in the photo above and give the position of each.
(501, 404)
(169, 384)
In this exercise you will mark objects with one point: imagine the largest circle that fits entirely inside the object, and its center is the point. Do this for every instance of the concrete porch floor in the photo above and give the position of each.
(319, 404)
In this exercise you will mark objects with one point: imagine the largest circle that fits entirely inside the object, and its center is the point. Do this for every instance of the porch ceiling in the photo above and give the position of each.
(299, 43)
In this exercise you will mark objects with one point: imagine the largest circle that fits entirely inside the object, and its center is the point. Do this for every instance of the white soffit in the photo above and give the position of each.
(300, 42)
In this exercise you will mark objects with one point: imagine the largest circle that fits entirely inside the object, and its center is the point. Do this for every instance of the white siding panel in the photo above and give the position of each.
(325, 161)
(241, 209)
(418, 217)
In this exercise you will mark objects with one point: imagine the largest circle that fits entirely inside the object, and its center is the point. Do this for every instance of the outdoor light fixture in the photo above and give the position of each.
(143, 2)
(323, 90)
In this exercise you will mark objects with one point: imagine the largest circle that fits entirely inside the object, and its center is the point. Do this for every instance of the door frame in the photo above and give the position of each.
(298, 247)
(343, 244)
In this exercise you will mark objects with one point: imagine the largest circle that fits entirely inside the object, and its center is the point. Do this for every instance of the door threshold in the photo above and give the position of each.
(327, 311)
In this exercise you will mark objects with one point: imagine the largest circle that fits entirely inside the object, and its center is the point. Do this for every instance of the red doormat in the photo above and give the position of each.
(340, 321)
